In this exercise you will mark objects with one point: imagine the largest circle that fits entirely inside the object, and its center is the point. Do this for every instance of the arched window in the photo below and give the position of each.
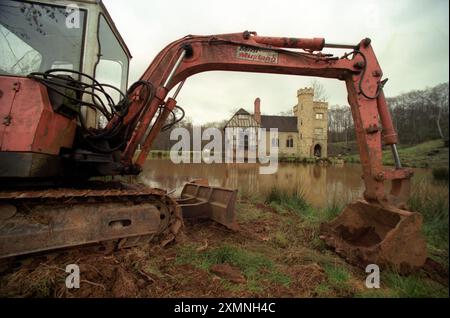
(318, 151)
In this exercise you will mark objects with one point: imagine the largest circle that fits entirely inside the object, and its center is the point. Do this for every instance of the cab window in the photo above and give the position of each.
(37, 37)
(112, 66)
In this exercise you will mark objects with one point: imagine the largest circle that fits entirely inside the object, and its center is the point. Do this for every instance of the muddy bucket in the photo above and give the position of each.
(369, 234)
(198, 200)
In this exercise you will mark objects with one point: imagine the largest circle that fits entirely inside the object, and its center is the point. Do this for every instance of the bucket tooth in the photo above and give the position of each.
(365, 234)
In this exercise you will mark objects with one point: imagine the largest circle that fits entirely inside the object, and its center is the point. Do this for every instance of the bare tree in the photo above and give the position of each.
(320, 93)
(442, 104)
(418, 116)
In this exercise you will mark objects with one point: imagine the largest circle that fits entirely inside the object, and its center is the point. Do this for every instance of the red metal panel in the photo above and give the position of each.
(18, 133)
(32, 126)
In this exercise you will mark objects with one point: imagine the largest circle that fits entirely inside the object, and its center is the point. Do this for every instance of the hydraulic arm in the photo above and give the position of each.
(249, 52)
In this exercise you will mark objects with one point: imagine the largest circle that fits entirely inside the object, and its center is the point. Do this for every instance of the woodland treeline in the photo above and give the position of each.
(418, 116)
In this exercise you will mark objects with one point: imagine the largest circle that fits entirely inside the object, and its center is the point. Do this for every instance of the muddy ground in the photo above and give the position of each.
(273, 254)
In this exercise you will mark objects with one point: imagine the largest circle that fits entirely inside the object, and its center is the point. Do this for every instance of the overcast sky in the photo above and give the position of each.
(410, 38)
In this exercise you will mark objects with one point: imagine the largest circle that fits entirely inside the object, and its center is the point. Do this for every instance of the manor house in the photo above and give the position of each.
(304, 134)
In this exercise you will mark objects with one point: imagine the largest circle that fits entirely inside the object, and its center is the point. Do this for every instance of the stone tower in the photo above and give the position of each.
(312, 121)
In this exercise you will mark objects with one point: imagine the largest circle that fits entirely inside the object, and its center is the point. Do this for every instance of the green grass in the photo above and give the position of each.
(254, 266)
(428, 154)
(290, 200)
(331, 211)
(280, 240)
(429, 197)
(433, 203)
(413, 286)
(248, 212)
(440, 173)
(284, 201)
(337, 283)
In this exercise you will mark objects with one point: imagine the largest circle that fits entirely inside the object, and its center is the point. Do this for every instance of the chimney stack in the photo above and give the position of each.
(257, 110)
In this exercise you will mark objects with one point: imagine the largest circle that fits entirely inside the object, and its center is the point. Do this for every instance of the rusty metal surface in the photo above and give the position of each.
(368, 234)
(32, 124)
(40, 220)
(200, 201)
(42, 228)
(67, 193)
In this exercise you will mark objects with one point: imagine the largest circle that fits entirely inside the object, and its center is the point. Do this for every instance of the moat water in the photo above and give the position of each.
(320, 185)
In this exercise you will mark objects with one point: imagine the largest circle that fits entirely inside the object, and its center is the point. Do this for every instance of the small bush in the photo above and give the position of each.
(432, 202)
(440, 173)
(292, 200)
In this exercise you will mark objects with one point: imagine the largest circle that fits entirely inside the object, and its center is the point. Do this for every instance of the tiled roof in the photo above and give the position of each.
(283, 123)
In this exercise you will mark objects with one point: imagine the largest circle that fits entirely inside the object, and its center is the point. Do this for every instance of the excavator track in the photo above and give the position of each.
(112, 214)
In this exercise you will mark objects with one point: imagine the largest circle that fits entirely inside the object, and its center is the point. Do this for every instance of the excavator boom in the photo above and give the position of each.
(247, 52)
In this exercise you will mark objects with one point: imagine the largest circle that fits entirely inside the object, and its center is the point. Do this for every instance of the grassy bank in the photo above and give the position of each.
(275, 253)
(430, 154)
(344, 279)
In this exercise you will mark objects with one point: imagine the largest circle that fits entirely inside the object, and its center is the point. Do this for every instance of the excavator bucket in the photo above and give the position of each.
(198, 200)
(365, 234)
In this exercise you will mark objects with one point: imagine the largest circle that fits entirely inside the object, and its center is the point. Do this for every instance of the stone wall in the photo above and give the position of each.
(283, 149)
(312, 123)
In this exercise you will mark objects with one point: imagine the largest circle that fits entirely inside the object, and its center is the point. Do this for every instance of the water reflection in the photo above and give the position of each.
(321, 185)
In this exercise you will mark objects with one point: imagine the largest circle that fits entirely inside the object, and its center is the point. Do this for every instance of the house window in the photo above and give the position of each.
(318, 131)
(290, 142)
(319, 115)
(246, 142)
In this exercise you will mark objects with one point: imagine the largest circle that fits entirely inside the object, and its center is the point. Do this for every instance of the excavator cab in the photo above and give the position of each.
(40, 136)
(39, 36)
(76, 35)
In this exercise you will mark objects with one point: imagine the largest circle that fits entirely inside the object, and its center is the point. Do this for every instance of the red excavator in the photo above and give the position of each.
(64, 123)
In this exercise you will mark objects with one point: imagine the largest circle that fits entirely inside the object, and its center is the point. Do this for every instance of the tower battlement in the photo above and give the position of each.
(305, 91)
